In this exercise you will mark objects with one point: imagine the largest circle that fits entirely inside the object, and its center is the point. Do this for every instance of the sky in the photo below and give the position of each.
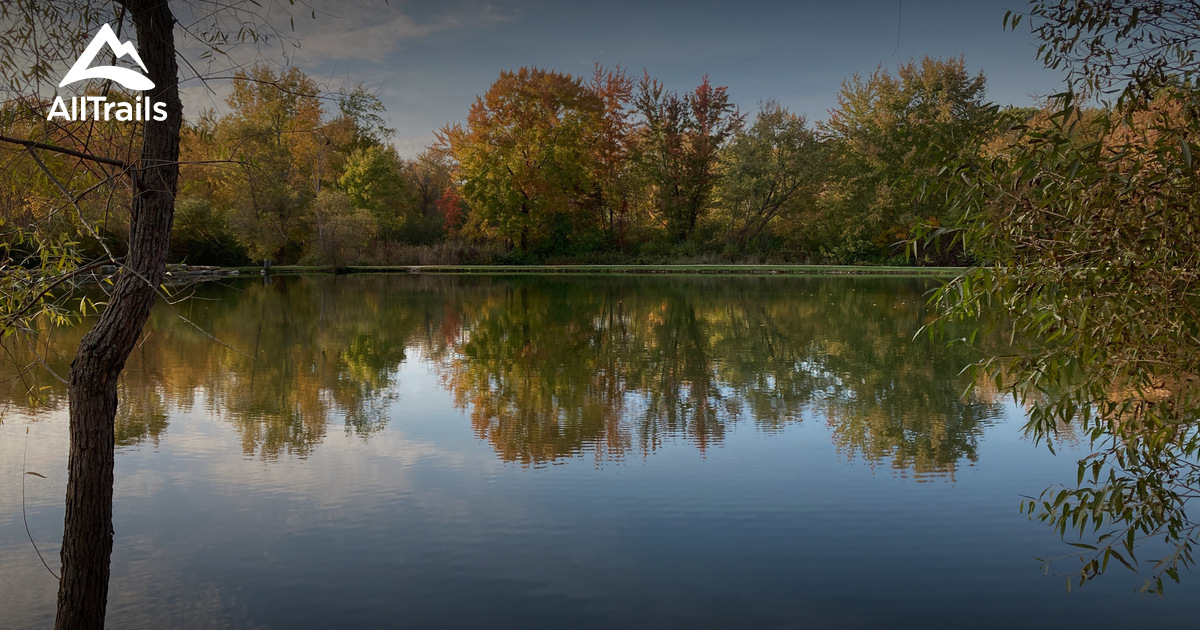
(428, 60)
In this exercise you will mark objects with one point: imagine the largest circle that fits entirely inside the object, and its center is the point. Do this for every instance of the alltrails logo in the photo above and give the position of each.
(99, 107)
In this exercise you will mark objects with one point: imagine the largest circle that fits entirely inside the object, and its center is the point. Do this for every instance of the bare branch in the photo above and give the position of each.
(73, 153)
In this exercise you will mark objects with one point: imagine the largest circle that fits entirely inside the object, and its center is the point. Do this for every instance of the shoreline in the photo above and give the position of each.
(811, 270)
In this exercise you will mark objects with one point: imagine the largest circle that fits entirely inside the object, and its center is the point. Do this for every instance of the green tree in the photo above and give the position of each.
(1094, 239)
(771, 173)
(887, 134)
(374, 181)
(341, 228)
(363, 112)
(202, 236)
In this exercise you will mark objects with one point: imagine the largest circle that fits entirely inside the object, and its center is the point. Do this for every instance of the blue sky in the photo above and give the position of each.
(428, 60)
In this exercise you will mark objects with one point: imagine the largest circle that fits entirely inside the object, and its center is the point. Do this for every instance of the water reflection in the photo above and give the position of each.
(548, 367)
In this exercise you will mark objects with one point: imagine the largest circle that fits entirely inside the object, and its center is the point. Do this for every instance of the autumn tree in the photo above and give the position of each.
(274, 131)
(523, 156)
(612, 153)
(679, 138)
(203, 231)
(451, 207)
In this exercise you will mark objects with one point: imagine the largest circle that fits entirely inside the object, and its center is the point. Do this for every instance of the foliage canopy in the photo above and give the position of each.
(1091, 223)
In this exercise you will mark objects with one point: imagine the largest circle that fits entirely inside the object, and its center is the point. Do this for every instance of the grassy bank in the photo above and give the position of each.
(942, 272)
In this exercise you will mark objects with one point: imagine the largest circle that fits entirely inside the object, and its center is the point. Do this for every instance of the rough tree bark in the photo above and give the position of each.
(92, 381)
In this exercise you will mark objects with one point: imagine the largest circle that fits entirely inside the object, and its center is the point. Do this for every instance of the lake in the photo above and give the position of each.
(442, 451)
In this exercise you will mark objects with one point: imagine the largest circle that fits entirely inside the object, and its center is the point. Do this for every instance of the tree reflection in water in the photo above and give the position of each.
(547, 367)
(552, 367)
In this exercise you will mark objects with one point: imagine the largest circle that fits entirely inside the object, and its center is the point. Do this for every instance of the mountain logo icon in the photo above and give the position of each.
(131, 79)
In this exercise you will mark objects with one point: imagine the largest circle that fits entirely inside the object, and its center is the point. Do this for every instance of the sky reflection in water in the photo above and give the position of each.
(457, 451)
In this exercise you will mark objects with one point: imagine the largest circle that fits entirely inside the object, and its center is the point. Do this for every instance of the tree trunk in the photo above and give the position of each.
(92, 380)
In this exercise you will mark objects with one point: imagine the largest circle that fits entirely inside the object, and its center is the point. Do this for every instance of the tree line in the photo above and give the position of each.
(547, 167)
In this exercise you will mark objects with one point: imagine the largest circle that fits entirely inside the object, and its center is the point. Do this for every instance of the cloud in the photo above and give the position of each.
(368, 42)
(411, 146)
(369, 30)
(196, 98)
(347, 42)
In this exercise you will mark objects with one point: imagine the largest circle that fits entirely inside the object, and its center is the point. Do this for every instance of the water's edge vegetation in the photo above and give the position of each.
(810, 270)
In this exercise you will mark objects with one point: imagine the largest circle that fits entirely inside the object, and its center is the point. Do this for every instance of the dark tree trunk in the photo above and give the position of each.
(92, 381)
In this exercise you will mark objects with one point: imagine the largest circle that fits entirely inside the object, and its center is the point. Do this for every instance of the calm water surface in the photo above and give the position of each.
(546, 452)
